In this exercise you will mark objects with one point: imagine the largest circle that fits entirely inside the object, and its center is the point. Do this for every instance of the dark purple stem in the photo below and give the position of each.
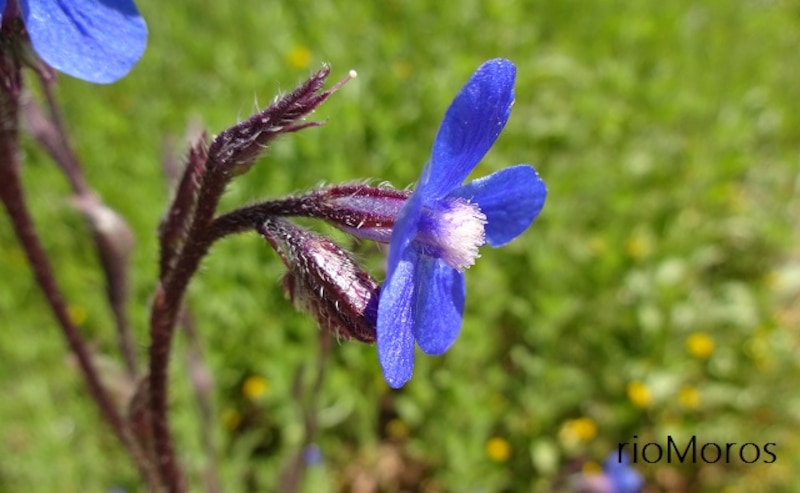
(14, 201)
(172, 235)
(112, 237)
(247, 218)
(164, 315)
(13, 198)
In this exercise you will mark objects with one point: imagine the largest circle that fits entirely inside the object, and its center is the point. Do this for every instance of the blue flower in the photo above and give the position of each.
(443, 223)
(93, 40)
(617, 477)
(623, 478)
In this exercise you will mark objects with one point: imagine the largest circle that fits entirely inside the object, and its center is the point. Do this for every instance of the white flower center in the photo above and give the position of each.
(453, 232)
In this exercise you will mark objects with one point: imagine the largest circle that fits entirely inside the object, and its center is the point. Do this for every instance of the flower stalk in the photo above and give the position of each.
(188, 232)
(113, 238)
(361, 210)
(13, 198)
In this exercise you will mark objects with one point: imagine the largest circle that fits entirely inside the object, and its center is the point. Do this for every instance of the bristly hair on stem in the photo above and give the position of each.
(236, 148)
(174, 227)
(232, 153)
(187, 234)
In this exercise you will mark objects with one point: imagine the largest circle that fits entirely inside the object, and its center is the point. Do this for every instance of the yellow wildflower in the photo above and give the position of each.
(299, 57)
(254, 387)
(639, 394)
(689, 397)
(498, 449)
(700, 345)
(77, 314)
(639, 247)
(591, 467)
(579, 429)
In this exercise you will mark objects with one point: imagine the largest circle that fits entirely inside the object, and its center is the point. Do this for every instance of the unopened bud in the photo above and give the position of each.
(325, 280)
(236, 149)
(360, 210)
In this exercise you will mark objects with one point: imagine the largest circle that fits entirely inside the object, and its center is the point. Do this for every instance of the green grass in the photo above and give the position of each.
(667, 133)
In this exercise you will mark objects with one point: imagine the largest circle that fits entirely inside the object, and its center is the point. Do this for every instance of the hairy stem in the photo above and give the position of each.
(13, 199)
(188, 232)
(112, 237)
(163, 318)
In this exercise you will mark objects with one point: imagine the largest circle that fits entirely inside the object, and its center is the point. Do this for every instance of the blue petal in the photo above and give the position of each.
(440, 305)
(404, 230)
(93, 40)
(511, 199)
(471, 125)
(396, 317)
(397, 303)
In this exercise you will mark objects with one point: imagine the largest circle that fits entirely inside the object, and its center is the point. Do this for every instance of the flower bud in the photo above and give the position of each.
(325, 280)
(360, 210)
(235, 149)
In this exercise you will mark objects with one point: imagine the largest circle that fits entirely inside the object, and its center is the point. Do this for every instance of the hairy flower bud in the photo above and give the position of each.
(360, 210)
(325, 280)
(235, 149)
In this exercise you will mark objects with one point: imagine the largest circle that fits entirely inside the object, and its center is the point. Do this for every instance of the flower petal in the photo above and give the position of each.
(440, 305)
(404, 230)
(471, 125)
(396, 318)
(96, 41)
(510, 198)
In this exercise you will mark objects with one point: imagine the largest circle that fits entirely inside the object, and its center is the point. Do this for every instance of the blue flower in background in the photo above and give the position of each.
(93, 40)
(617, 477)
(623, 478)
(440, 228)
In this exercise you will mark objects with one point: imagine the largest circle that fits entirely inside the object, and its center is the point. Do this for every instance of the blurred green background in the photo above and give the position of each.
(655, 296)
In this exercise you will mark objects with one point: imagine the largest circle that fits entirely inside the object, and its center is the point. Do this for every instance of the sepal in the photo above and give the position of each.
(325, 280)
